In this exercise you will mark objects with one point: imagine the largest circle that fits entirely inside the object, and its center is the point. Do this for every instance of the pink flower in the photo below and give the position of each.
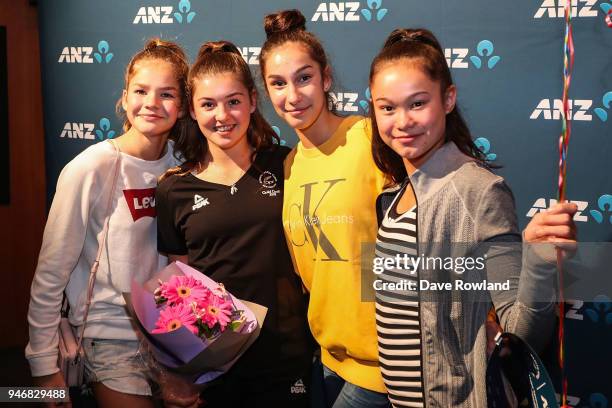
(216, 310)
(173, 317)
(184, 289)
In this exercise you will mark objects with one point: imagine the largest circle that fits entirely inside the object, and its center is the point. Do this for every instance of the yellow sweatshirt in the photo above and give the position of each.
(328, 213)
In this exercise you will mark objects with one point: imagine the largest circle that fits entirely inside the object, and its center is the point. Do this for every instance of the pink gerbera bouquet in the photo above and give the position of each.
(193, 326)
(185, 301)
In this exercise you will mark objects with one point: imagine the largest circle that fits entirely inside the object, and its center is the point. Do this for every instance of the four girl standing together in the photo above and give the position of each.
(248, 213)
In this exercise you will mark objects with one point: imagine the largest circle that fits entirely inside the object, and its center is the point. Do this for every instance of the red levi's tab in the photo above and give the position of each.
(141, 202)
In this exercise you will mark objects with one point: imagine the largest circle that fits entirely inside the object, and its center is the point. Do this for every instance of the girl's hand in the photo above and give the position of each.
(55, 380)
(555, 226)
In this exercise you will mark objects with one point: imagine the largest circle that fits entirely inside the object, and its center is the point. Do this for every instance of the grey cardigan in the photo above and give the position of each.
(463, 208)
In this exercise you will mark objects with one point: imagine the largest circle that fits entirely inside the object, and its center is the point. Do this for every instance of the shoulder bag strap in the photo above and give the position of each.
(94, 267)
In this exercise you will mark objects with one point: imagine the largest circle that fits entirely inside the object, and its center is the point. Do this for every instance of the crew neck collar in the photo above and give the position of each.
(337, 138)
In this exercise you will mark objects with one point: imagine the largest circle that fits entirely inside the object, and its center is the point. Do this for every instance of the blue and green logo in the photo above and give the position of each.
(365, 103)
(104, 131)
(484, 146)
(604, 204)
(602, 113)
(184, 14)
(374, 11)
(277, 130)
(485, 56)
(600, 311)
(103, 54)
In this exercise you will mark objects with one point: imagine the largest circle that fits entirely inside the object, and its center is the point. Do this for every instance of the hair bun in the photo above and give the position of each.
(212, 47)
(416, 35)
(154, 43)
(285, 21)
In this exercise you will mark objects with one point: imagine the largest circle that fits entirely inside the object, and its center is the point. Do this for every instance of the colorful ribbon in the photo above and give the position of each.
(568, 66)
(609, 18)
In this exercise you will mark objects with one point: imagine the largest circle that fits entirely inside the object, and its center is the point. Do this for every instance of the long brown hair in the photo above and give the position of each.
(290, 26)
(423, 50)
(172, 53)
(218, 57)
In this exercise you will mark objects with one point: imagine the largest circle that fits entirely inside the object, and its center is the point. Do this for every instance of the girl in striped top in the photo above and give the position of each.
(397, 312)
(432, 344)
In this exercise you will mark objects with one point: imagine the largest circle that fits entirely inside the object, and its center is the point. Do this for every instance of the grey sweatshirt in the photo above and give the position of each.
(466, 210)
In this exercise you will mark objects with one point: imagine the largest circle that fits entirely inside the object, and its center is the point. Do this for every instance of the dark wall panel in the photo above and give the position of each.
(5, 177)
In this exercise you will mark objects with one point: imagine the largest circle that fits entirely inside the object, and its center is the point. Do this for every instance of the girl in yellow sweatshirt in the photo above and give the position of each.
(328, 210)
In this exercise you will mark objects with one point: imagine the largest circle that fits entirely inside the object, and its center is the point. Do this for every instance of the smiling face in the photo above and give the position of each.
(152, 99)
(222, 106)
(296, 85)
(410, 111)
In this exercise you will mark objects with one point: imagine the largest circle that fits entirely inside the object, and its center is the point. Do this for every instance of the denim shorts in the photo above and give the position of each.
(118, 364)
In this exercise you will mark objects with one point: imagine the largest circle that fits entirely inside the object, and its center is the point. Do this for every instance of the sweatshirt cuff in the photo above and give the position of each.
(538, 282)
(44, 365)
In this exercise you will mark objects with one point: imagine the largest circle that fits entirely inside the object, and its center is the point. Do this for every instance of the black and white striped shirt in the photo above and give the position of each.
(397, 311)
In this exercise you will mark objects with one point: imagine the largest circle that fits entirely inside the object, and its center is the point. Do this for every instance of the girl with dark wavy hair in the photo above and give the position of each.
(220, 213)
(331, 185)
(446, 202)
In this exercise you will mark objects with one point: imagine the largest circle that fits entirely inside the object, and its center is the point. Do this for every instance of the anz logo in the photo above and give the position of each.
(86, 55)
(250, 54)
(595, 400)
(277, 130)
(579, 109)
(350, 11)
(483, 144)
(600, 310)
(350, 102)
(88, 131)
(165, 14)
(606, 100)
(579, 8)
(601, 215)
(484, 57)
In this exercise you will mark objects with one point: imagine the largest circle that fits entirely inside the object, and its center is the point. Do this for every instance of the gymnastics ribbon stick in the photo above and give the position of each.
(568, 66)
